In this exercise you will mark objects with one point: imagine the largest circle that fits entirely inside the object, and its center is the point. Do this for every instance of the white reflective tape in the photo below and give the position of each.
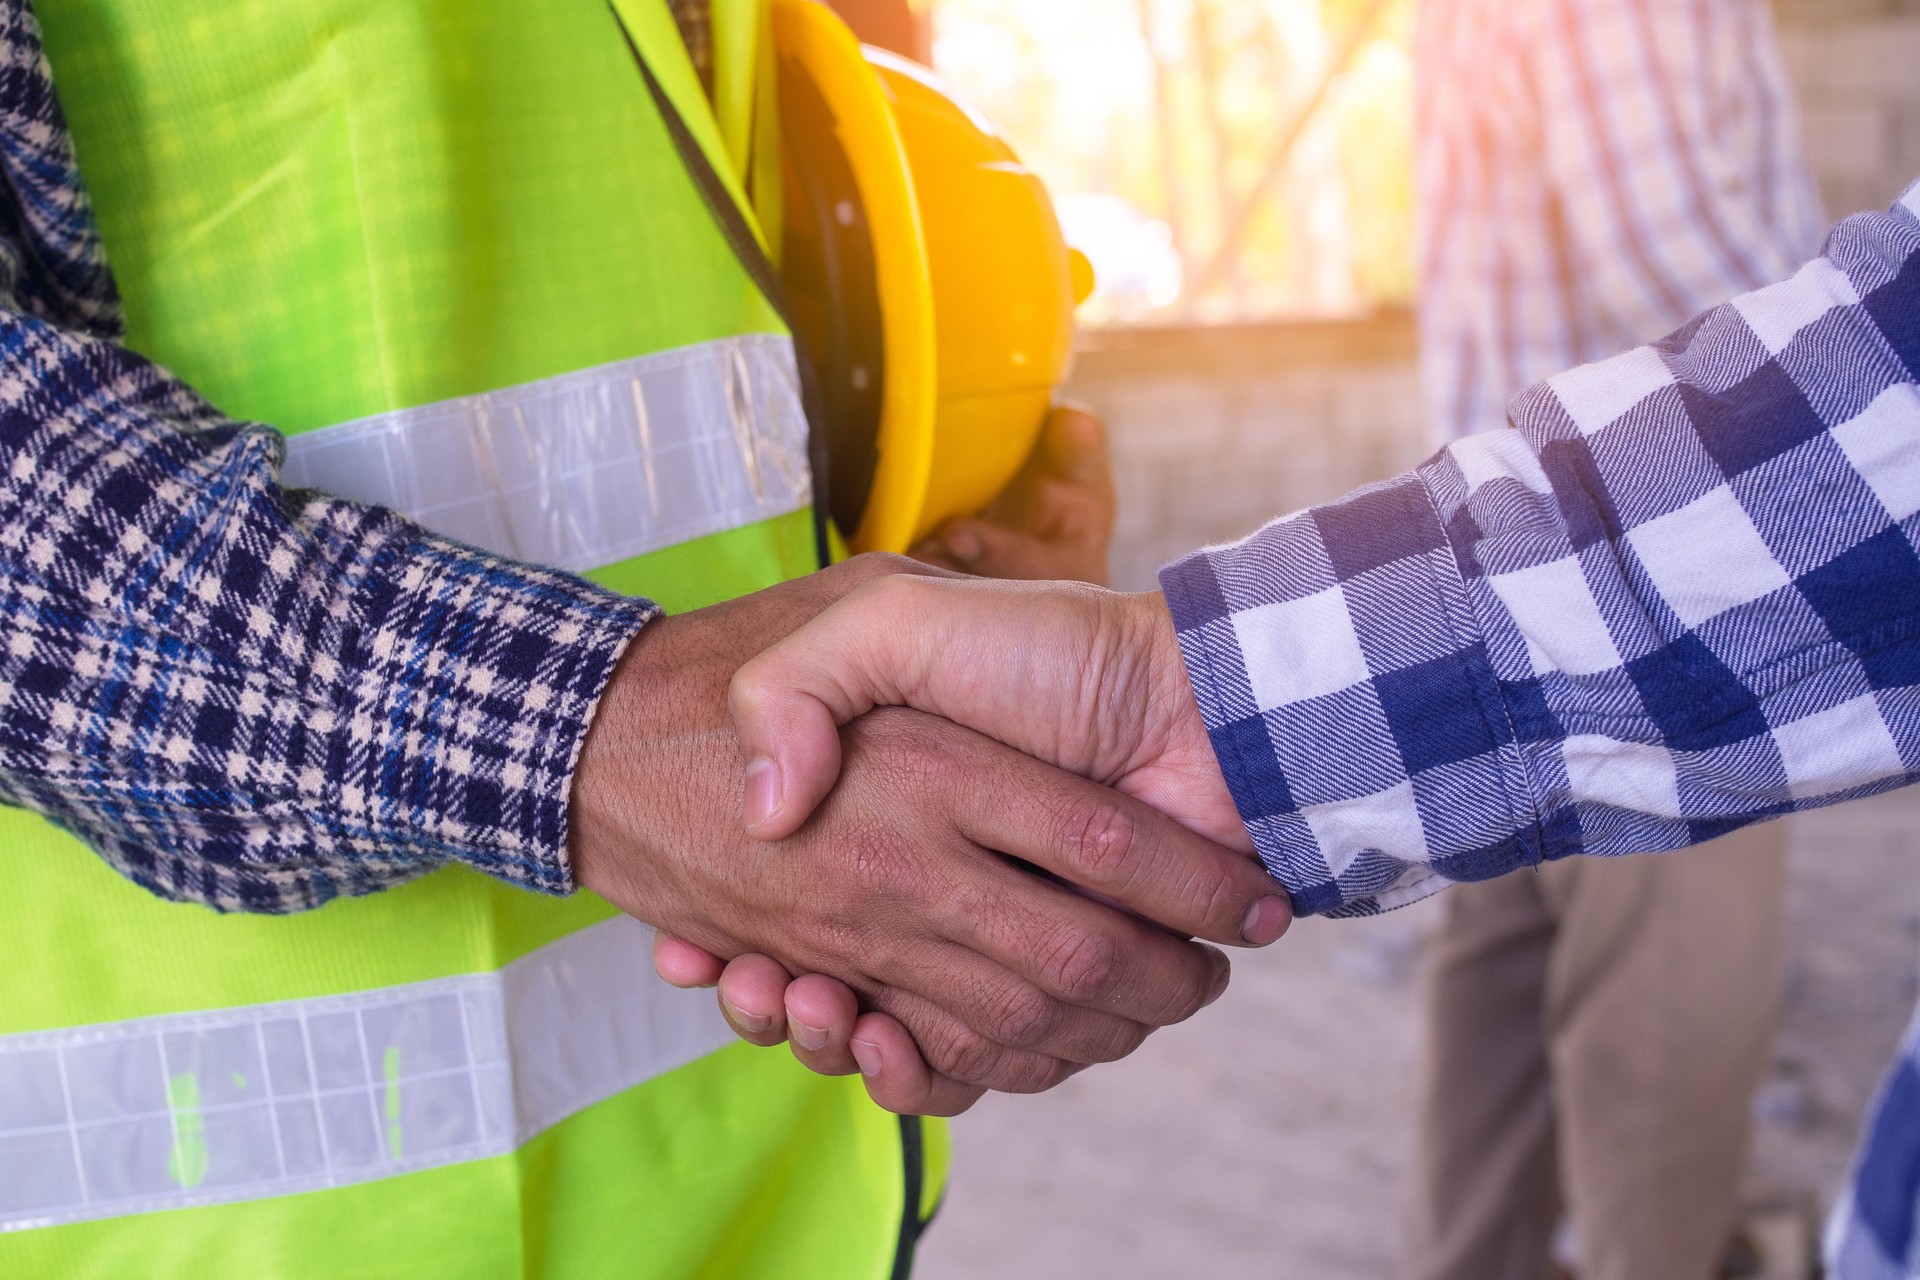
(590, 468)
(271, 1100)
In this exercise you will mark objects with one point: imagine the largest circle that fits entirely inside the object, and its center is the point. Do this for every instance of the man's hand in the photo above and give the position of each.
(901, 887)
(1054, 521)
(1084, 678)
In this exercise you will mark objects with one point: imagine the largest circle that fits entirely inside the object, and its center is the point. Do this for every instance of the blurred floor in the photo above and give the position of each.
(1271, 1135)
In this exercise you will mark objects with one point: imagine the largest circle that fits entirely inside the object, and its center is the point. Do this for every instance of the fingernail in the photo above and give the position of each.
(962, 545)
(1266, 921)
(763, 792)
(867, 1054)
(808, 1037)
(744, 1020)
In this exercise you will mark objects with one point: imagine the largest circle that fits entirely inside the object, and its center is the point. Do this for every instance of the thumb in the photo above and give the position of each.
(789, 703)
(1076, 443)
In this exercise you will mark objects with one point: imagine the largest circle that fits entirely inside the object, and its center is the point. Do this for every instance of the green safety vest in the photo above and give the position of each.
(483, 261)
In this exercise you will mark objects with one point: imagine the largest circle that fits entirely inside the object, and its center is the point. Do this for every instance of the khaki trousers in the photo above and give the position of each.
(1596, 1031)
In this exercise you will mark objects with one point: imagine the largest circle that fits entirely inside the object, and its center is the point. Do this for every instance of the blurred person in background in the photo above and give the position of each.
(1591, 174)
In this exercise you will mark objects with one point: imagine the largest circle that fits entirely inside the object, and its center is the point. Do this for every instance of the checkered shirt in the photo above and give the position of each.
(1679, 596)
(240, 695)
(1591, 174)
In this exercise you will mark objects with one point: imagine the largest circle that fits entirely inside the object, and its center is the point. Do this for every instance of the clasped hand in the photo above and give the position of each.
(896, 852)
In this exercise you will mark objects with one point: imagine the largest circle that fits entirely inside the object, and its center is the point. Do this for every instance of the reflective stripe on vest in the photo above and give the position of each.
(589, 468)
(269, 1100)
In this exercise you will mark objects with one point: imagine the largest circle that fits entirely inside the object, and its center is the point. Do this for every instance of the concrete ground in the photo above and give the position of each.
(1271, 1136)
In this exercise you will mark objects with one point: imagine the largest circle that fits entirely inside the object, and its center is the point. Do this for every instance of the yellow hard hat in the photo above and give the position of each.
(928, 280)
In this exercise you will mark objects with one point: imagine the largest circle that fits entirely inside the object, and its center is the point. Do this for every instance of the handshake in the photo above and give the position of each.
(953, 834)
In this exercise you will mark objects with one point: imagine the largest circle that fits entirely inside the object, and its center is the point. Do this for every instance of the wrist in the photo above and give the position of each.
(644, 704)
(658, 780)
(1170, 706)
(1177, 752)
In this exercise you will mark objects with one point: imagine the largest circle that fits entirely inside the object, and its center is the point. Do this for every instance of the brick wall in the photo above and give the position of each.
(1217, 430)
(1857, 66)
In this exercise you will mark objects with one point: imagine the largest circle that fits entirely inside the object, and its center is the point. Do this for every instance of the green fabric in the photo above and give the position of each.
(721, 567)
(323, 209)
(649, 24)
(782, 1176)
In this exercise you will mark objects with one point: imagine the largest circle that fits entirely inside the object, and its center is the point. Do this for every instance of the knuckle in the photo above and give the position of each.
(882, 865)
(934, 770)
(1186, 1001)
(1188, 995)
(1122, 1043)
(1220, 904)
(966, 1057)
(1098, 840)
(918, 766)
(841, 934)
(1084, 967)
(968, 899)
(1025, 1019)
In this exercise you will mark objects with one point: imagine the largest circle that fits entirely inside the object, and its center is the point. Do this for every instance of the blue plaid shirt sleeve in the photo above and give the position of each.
(240, 695)
(1681, 595)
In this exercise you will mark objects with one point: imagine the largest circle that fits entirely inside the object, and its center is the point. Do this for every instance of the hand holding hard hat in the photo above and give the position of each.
(928, 280)
(1053, 522)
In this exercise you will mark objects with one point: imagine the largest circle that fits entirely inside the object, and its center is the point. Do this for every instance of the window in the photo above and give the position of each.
(1219, 160)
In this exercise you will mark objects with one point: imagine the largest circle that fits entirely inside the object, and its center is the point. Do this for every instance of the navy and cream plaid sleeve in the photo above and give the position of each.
(240, 695)
(1680, 596)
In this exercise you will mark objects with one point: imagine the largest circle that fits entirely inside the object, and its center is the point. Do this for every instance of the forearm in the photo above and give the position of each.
(243, 696)
(261, 699)
(1681, 596)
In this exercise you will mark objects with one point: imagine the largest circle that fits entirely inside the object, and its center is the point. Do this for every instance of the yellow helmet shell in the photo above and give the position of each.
(972, 281)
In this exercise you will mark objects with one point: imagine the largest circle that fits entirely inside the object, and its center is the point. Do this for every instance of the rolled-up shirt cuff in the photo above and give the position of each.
(1347, 692)
(480, 683)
